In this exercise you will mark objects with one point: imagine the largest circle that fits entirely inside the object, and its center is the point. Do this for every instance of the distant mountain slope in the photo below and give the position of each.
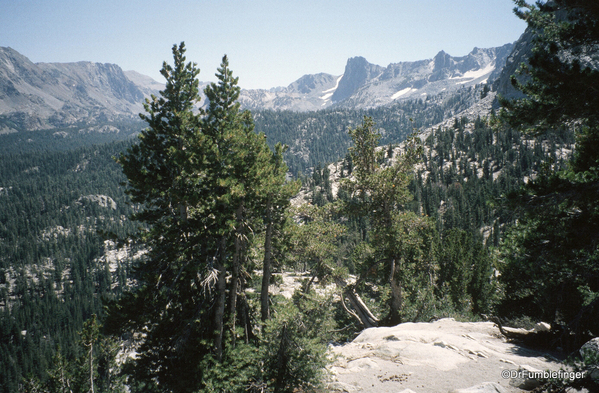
(308, 93)
(145, 83)
(48, 95)
(520, 53)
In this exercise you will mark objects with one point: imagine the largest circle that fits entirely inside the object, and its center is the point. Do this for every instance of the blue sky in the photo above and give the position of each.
(269, 43)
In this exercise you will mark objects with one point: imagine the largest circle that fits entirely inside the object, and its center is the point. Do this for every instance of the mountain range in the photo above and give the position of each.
(49, 95)
(364, 85)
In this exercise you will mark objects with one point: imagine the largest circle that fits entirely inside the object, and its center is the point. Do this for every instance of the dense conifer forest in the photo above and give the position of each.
(321, 137)
(54, 276)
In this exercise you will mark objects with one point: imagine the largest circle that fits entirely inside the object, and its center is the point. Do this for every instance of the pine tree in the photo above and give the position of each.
(550, 268)
(399, 238)
(169, 178)
(89, 337)
(60, 379)
(205, 181)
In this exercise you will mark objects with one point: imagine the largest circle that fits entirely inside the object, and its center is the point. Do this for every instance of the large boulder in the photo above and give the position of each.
(441, 356)
(591, 348)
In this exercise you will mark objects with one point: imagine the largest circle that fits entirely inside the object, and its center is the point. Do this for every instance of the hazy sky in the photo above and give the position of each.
(269, 43)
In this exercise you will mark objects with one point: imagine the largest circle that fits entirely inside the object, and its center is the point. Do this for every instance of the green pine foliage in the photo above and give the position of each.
(290, 355)
(402, 242)
(209, 186)
(550, 269)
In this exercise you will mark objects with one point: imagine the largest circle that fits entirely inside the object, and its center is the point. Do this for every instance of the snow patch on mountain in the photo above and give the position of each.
(327, 96)
(332, 89)
(403, 92)
(476, 74)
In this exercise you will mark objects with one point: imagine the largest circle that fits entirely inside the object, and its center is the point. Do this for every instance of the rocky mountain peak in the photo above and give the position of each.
(357, 72)
(308, 83)
(441, 60)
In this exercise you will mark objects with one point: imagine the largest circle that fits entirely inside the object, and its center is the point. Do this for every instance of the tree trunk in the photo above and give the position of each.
(266, 268)
(245, 317)
(396, 301)
(364, 315)
(282, 361)
(91, 367)
(219, 313)
(235, 270)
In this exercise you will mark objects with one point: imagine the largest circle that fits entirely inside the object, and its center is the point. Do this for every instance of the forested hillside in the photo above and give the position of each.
(68, 138)
(53, 245)
(321, 137)
(464, 175)
(54, 274)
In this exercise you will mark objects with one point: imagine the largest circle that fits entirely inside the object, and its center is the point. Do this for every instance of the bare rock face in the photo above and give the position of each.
(357, 73)
(520, 53)
(101, 200)
(442, 356)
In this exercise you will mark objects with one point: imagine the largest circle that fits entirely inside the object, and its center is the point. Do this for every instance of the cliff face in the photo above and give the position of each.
(357, 73)
(522, 50)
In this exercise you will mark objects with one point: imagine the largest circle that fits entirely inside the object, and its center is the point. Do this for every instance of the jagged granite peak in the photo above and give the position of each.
(441, 60)
(357, 73)
(418, 79)
(366, 85)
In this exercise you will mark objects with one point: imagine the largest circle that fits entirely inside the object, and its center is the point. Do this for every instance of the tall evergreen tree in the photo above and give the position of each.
(205, 182)
(401, 240)
(167, 175)
(551, 270)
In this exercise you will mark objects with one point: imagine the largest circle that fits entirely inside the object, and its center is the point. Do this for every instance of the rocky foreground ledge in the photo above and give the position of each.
(442, 356)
